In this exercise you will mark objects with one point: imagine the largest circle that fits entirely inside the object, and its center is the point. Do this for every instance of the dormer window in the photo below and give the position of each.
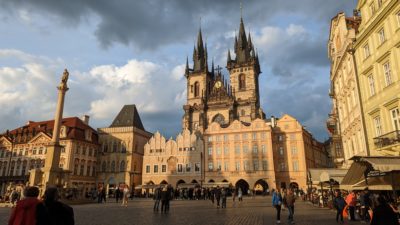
(63, 132)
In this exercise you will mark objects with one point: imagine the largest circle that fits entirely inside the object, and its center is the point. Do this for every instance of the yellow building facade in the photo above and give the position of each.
(378, 63)
(346, 121)
(122, 144)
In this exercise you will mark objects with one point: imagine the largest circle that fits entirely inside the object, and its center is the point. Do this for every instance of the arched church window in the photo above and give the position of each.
(113, 166)
(122, 166)
(196, 89)
(219, 119)
(242, 82)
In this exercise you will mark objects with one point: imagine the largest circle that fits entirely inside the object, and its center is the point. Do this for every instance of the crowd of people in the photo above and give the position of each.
(48, 210)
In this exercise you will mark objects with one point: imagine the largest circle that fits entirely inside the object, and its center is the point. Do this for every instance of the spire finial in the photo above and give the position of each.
(241, 9)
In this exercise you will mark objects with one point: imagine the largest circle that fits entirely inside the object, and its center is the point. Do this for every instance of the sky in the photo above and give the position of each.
(134, 52)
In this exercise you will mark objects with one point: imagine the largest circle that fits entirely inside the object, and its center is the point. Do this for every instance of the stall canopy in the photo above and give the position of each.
(374, 173)
(325, 176)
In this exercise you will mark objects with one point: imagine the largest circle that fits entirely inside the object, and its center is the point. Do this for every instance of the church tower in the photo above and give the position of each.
(198, 85)
(244, 71)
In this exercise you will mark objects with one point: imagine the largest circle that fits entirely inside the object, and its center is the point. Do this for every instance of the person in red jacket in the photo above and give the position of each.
(351, 201)
(25, 211)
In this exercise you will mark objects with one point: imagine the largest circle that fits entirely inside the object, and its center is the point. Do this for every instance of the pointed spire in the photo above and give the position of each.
(249, 42)
(229, 56)
(205, 59)
(187, 67)
(236, 43)
(212, 67)
(200, 41)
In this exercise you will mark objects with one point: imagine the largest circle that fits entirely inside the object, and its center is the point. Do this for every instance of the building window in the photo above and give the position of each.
(295, 166)
(237, 150)
(147, 168)
(281, 151)
(294, 150)
(209, 138)
(280, 138)
(180, 168)
(210, 166)
(263, 135)
(255, 149)
(263, 149)
(164, 168)
(244, 136)
(34, 151)
(254, 136)
(209, 151)
(371, 82)
(88, 171)
(237, 166)
(255, 165)
(196, 89)
(219, 167)
(378, 126)
(338, 149)
(388, 73)
(379, 3)
(381, 35)
(372, 8)
(122, 166)
(226, 137)
(245, 149)
(242, 82)
(197, 167)
(265, 165)
(395, 118)
(226, 166)
(113, 166)
(218, 151)
(292, 137)
(155, 169)
(188, 168)
(226, 151)
(367, 53)
(246, 165)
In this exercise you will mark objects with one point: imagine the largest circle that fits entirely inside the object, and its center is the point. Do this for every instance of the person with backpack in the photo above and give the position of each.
(339, 203)
(277, 203)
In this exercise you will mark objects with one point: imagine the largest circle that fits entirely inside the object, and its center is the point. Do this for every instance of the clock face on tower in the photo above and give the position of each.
(218, 84)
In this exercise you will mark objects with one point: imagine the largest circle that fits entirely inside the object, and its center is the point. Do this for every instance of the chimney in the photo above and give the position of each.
(85, 119)
(273, 121)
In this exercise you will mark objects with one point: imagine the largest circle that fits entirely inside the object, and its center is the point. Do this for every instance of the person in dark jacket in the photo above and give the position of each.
(339, 203)
(165, 195)
(53, 212)
(117, 194)
(383, 213)
(365, 204)
(277, 204)
(25, 211)
(217, 194)
(157, 199)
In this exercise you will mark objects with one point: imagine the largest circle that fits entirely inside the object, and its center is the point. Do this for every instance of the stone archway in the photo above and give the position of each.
(180, 182)
(294, 186)
(243, 185)
(261, 187)
(164, 182)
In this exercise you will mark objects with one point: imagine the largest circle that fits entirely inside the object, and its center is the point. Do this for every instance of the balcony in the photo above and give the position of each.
(387, 139)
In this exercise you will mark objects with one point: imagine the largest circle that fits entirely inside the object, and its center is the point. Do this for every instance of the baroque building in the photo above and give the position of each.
(122, 143)
(346, 122)
(377, 58)
(24, 148)
(226, 133)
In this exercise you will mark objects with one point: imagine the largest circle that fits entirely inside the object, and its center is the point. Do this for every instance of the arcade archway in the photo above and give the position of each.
(261, 187)
(243, 185)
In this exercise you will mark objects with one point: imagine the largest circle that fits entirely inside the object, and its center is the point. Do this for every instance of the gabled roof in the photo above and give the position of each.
(128, 117)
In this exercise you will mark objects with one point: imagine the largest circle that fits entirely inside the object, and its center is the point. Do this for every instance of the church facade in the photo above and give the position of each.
(240, 146)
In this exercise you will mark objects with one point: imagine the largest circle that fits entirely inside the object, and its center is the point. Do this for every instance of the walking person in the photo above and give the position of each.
(277, 203)
(25, 211)
(217, 195)
(383, 213)
(234, 198)
(223, 198)
(53, 212)
(125, 196)
(351, 201)
(212, 192)
(289, 201)
(365, 203)
(240, 194)
(339, 203)
(157, 199)
(117, 194)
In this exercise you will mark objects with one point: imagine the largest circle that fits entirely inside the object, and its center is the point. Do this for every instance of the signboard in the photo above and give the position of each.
(375, 173)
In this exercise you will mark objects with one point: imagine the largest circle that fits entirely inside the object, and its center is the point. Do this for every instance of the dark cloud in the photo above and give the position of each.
(153, 23)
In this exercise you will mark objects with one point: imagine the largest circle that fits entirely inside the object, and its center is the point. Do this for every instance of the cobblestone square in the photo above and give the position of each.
(140, 211)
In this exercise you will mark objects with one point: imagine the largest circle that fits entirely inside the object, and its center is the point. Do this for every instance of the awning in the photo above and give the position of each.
(354, 175)
(383, 164)
(190, 185)
(220, 184)
(325, 175)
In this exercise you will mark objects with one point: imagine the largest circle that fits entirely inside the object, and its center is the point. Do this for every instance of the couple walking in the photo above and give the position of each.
(288, 201)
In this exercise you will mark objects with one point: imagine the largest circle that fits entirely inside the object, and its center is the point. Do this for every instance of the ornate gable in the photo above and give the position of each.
(40, 138)
(4, 141)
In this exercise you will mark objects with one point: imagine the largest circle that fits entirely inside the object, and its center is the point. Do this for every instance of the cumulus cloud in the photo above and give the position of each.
(27, 92)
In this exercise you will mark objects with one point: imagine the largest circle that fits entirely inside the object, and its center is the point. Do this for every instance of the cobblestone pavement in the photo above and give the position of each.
(140, 212)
